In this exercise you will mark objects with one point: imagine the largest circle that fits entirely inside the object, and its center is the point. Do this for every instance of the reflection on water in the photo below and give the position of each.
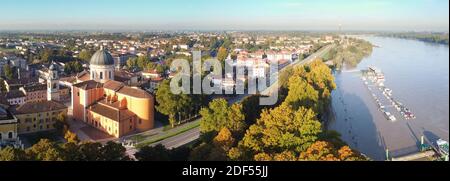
(418, 74)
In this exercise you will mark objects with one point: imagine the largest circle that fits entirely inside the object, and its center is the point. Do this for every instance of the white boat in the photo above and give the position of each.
(392, 118)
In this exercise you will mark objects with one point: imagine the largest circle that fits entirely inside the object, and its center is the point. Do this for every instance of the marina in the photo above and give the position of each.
(374, 81)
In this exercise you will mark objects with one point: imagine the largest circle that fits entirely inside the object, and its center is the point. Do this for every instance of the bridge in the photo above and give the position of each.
(274, 86)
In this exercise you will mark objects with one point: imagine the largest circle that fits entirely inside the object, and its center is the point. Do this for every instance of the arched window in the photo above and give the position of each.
(101, 75)
(10, 135)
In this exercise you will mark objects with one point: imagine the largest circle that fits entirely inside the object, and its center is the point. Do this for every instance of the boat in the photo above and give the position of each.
(392, 118)
(442, 147)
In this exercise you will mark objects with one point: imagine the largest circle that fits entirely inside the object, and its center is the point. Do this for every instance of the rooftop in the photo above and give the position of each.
(111, 111)
(87, 85)
(36, 107)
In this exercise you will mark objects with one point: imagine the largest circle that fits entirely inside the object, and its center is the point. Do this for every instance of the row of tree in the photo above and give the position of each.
(46, 150)
(291, 131)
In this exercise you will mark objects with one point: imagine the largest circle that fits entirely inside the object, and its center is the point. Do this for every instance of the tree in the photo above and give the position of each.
(153, 153)
(12, 154)
(71, 152)
(8, 72)
(77, 67)
(113, 151)
(90, 151)
(46, 54)
(2, 85)
(224, 139)
(174, 105)
(131, 63)
(219, 115)
(85, 55)
(252, 109)
(281, 129)
(151, 65)
(142, 62)
(301, 94)
(45, 150)
(160, 69)
(222, 54)
(71, 137)
(325, 151)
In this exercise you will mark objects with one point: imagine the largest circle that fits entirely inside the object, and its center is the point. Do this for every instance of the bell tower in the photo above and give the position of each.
(53, 83)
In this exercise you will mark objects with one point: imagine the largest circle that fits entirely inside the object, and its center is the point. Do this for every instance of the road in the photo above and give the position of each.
(181, 139)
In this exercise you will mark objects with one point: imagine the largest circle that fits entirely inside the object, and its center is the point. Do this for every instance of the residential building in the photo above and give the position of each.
(34, 92)
(38, 116)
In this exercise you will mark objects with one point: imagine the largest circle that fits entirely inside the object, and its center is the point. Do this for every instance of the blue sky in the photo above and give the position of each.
(417, 15)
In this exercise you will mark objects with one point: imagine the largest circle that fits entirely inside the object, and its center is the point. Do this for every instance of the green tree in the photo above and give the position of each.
(12, 154)
(222, 54)
(2, 85)
(131, 63)
(113, 151)
(142, 62)
(8, 72)
(175, 105)
(301, 94)
(281, 129)
(71, 137)
(85, 55)
(90, 151)
(45, 150)
(325, 151)
(153, 153)
(219, 115)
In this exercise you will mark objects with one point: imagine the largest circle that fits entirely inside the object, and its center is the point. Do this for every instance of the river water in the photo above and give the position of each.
(418, 74)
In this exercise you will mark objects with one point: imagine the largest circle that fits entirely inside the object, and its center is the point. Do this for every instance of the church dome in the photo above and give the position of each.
(102, 57)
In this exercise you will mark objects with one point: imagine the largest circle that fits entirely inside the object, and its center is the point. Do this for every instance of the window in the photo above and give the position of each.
(28, 128)
(109, 75)
(93, 75)
(40, 127)
(0, 136)
(101, 75)
(140, 121)
(131, 127)
(78, 94)
(10, 135)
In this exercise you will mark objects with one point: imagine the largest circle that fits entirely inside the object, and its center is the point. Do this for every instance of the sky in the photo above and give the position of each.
(367, 15)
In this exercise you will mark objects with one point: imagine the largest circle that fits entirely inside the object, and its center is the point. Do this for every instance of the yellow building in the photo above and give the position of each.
(38, 116)
(8, 128)
(8, 125)
(109, 105)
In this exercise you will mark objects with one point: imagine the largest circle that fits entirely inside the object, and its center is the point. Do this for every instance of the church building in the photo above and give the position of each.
(109, 105)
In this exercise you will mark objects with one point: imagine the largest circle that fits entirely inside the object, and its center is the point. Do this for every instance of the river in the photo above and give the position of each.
(418, 74)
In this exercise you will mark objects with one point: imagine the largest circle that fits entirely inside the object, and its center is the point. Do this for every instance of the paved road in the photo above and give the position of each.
(181, 139)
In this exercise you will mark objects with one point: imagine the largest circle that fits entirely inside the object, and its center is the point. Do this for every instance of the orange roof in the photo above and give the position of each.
(134, 92)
